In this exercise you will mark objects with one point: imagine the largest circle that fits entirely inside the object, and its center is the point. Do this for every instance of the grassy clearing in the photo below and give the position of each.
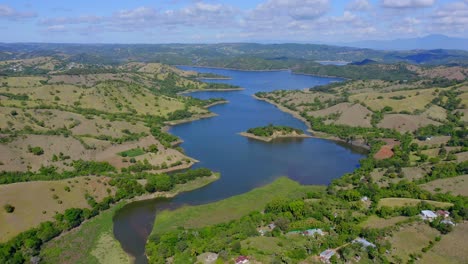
(92, 242)
(39, 201)
(229, 209)
(456, 185)
(397, 202)
(132, 152)
(376, 222)
(411, 239)
(451, 249)
(399, 100)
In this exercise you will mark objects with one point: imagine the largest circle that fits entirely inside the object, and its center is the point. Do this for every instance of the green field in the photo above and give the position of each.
(231, 208)
(132, 152)
(92, 242)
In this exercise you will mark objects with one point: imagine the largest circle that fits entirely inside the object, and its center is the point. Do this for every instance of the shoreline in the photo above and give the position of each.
(211, 90)
(315, 134)
(216, 103)
(180, 188)
(273, 70)
(214, 78)
(232, 69)
(188, 120)
(270, 139)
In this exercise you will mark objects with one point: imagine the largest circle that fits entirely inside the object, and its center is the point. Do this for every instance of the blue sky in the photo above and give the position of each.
(213, 21)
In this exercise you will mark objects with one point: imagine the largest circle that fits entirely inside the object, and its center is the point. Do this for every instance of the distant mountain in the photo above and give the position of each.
(429, 42)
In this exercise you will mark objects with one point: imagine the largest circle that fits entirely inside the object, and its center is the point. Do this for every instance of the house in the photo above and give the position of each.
(272, 226)
(363, 242)
(312, 232)
(326, 255)
(443, 213)
(242, 260)
(428, 215)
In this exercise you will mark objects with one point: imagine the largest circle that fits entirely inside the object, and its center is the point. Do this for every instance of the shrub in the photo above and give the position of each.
(9, 208)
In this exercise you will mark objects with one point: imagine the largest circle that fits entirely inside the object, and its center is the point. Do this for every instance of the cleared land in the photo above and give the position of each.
(347, 114)
(399, 100)
(405, 123)
(230, 208)
(397, 202)
(456, 185)
(40, 201)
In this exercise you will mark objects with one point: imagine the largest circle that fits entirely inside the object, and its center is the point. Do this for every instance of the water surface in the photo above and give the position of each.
(243, 163)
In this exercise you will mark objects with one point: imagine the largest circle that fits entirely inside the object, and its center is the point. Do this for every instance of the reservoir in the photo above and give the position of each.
(243, 163)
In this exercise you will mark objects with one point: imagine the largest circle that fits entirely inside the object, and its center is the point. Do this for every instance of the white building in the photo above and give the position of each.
(428, 215)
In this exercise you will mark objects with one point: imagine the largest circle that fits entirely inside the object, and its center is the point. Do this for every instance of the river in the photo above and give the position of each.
(243, 163)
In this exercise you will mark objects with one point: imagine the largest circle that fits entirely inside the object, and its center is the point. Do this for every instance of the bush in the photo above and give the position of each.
(36, 150)
(9, 208)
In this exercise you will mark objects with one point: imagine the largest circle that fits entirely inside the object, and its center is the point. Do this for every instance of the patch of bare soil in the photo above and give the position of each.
(349, 114)
(404, 123)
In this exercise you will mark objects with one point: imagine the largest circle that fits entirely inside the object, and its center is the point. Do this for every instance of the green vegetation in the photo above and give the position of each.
(230, 208)
(36, 150)
(133, 152)
(9, 208)
(29, 243)
(92, 250)
(268, 131)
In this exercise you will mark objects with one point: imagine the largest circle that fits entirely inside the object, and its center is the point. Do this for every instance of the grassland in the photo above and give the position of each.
(132, 152)
(230, 208)
(37, 202)
(456, 185)
(92, 242)
(410, 240)
(94, 116)
(451, 248)
(398, 202)
(404, 107)
(377, 222)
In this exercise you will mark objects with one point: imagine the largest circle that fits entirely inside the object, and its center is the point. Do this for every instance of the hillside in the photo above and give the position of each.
(103, 126)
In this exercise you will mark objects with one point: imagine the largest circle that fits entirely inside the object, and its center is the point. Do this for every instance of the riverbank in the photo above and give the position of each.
(211, 90)
(272, 138)
(233, 69)
(315, 134)
(100, 244)
(272, 70)
(191, 119)
(179, 188)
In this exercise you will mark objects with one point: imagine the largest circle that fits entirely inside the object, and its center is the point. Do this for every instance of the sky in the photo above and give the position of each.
(216, 21)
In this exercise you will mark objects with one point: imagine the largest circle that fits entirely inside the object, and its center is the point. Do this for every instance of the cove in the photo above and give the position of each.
(243, 163)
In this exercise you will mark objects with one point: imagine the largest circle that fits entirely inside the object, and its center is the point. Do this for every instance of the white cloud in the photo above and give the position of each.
(70, 20)
(450, 17)
(407, 3)
(12, 14)
(56, 28)
(359, 5)
(292, 9)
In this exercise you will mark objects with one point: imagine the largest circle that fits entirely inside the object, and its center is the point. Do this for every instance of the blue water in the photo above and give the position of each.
(243, 163)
